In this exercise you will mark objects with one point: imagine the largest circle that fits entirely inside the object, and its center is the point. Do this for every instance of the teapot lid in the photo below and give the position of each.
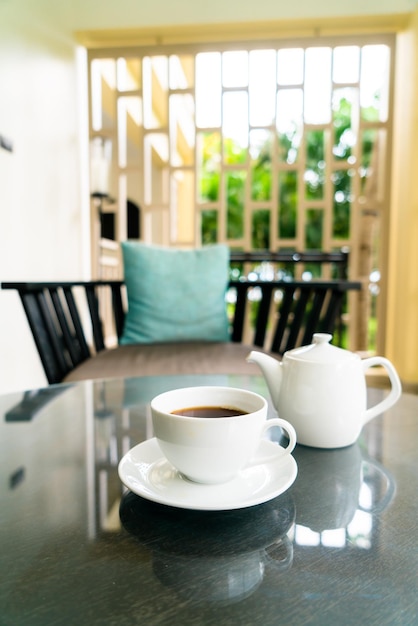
(321, 351)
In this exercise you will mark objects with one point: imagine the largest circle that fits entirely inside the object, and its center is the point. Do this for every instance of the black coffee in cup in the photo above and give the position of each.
(209, 411)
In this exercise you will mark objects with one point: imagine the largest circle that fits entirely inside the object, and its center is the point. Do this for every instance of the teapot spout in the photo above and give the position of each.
(272, 371)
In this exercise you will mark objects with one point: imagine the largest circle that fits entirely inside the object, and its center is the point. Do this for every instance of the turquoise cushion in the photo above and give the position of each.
(175, 295)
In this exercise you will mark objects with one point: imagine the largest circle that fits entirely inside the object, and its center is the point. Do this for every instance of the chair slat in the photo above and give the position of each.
(283, 318)
(52, 328)
(44, 334)
(93, 303)
(82, 349)
(312, 323)
(333, 310)
(239, 313)
(67, 337)
(296, 322)
(118, 310)
(263, 315)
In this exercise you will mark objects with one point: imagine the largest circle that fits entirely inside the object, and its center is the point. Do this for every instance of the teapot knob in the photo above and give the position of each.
(322, 337)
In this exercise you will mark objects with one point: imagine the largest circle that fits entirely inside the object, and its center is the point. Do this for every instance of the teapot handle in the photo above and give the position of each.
(390, 486)
(396, 387)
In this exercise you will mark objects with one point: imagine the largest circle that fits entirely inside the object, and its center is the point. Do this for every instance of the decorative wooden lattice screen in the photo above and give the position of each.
(280, 146)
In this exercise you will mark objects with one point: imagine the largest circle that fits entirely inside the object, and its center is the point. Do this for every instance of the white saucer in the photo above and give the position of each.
(146, 472)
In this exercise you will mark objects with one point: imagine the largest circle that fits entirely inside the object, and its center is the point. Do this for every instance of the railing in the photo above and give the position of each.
(336, 262)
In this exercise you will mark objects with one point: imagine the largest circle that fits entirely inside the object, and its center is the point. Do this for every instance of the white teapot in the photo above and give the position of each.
(321, 390)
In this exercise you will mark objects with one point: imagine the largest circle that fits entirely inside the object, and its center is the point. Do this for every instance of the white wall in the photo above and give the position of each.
(43, 182)
(40, 210)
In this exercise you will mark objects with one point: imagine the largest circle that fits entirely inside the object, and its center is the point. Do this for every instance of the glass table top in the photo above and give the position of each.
(338, 547)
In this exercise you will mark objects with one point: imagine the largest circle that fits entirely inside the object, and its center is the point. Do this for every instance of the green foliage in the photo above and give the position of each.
(235, 188)
(261, 174)
(315, 164)
(314, 219)
(209, 227)
(234, 182)
(342, 123)
(260, 235)
(209, 171)
(288, 203)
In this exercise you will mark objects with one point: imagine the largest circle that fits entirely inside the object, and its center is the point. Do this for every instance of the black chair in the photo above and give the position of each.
(284, 314)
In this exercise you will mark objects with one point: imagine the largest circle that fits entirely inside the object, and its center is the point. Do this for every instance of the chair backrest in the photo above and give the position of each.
(59, 328)
(275, 315)
(286, 314)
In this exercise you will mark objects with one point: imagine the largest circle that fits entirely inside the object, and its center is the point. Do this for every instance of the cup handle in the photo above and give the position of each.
(396, 387)
(284, 562)
(279, 452)
(291, 433)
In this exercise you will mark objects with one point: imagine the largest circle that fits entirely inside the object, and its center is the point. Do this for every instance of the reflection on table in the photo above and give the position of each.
(338, 547)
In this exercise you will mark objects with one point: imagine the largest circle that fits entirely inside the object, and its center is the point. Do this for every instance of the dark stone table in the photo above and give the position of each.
(339, 547)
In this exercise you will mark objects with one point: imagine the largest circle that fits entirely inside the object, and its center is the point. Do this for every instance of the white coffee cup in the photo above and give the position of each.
(213, 450)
